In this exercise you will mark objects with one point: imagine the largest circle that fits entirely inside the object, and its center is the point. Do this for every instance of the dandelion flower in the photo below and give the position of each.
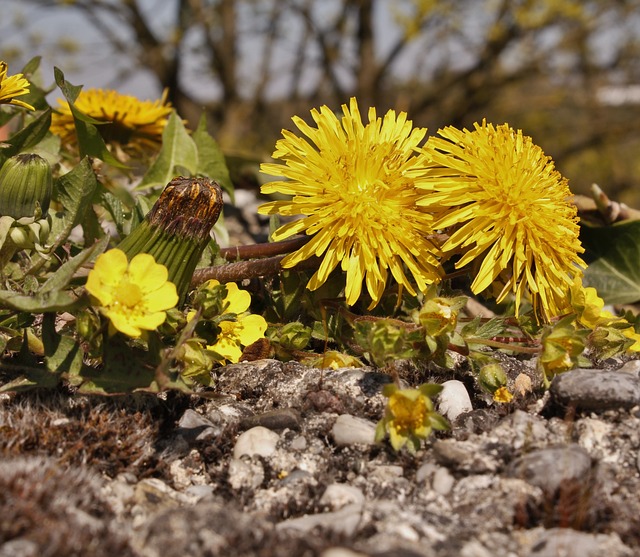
(127, 121)
(350, 182)
(12, 87)
(133, 295)
(509, 212)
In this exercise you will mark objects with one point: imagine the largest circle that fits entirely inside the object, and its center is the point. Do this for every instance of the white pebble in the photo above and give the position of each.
(258, 441)
(453, 399)
(349, 430)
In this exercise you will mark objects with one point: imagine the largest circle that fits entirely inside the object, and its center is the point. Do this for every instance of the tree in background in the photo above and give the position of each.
(540, 65)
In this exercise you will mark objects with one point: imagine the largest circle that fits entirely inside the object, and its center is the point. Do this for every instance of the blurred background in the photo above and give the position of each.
(567, 72)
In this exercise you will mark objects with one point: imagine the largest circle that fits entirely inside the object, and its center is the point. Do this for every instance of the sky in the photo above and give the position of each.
(50, 28)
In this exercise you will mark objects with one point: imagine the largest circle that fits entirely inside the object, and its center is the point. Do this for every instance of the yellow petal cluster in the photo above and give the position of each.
(245, 330)
(508, 213)
(133, 295)
(12, 87)
(350, 182)
(126, 120)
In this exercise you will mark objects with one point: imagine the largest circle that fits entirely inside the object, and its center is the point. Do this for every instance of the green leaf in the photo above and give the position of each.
(62, 354)
(32, 378)
(27, 137)
(178, 151)
(75, 192)
(211, 160)
(41, 303)
(61, 278)
(613, 253)
(90, 141)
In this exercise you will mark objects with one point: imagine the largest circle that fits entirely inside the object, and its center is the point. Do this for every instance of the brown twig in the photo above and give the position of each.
(263, 250)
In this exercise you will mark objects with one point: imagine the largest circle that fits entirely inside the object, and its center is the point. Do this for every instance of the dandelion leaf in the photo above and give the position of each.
(178, 155)
(613, 256)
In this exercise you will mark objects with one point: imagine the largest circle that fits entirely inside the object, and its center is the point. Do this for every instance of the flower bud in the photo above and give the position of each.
(176, 229)
(25, 186)
(492, 377)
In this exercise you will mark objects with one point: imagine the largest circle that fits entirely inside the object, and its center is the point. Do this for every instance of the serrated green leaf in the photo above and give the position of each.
(75, 191)
(178, 150)
(41, 303)
(27, 137)
(61, 278)
(613, 253)
(211, 159)
(90, 141)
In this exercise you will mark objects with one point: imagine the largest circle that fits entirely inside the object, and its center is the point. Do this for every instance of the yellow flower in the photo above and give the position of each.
(128, 121)
(409, 416)
(245, 330)
(586, 303)
(351, 183)
(503, 395)
(133, 295)
(509, 211)
(13, 86)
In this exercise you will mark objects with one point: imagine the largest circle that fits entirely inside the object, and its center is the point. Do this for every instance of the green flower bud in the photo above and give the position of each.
(294, 336)
(176, 229)
(25, 186)
(492, 377)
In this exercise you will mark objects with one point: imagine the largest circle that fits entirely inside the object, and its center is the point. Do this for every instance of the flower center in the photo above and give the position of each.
(128, 294)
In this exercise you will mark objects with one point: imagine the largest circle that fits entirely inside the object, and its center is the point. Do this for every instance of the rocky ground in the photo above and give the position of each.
(280, 460)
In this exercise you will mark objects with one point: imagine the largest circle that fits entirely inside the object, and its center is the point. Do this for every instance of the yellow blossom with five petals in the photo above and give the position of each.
(351, 183)
(133, 295)
(246, 329)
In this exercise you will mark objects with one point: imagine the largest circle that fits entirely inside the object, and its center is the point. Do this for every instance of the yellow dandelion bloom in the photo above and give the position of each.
(509, 211)
(245, 330)
(128, 121)
(350, 182)
(133, 295)
(12, 87)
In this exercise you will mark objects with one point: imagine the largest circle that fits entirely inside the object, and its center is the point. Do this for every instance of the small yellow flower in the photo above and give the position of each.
(127, 121)
(409, 416)
(503, 395)
(509, 212)
(133, 295)
(351, 183)
(13, 86)
(586, 303)
(245, 330)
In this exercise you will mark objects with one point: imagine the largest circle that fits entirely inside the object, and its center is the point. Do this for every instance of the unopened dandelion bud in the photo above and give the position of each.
(25, 186)
(176, 229)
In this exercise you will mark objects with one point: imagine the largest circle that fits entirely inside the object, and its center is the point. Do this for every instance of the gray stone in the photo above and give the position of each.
(344, 522)
(245, 474)
(351, 430)
(465, 456)
(571, 543)
(549, 468)
(285, 418)
(257, 441)
(337, 496)
(596, 390)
